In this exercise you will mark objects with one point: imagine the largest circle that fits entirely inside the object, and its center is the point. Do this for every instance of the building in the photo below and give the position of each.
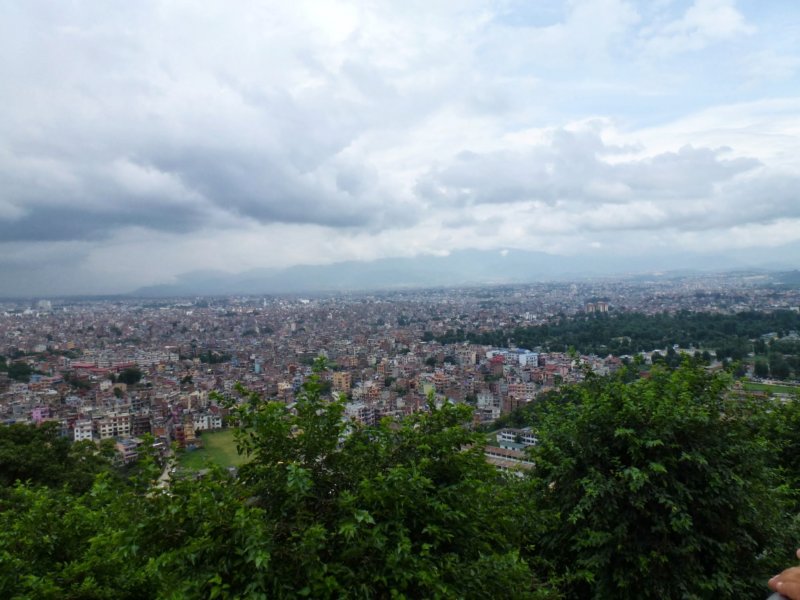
(114, 425)
(128, 449)
(510, 461)
(206, 421)
(516, 439)
(82, 430)
(342, 381)
(360, 412)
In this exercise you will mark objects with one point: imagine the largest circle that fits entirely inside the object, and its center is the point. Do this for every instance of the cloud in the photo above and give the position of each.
(181, 136)
(574, 167)
(175, 120)
(590, 31)
(705, 22)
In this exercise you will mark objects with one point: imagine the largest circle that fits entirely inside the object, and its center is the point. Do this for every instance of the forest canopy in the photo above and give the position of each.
(731, 335)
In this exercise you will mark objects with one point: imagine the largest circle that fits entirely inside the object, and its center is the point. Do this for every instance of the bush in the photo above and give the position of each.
(661, 488)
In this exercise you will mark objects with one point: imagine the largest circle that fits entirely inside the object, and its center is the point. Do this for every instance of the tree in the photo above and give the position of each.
(660, 488)
(761, 368)
(106, 542)
(323, 508)
(396, 509)
(42, 457)
(778, 367)
(130, 376)
(20, 371)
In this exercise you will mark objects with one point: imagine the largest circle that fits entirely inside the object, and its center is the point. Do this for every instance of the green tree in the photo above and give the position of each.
(660, 488)
(20, 371)
(378, 511)
(761, 368)
(130, 376)
(778, 367)
(41, 456)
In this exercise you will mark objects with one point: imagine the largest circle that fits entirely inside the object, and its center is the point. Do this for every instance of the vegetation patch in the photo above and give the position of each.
(219, 448)
(772, 388)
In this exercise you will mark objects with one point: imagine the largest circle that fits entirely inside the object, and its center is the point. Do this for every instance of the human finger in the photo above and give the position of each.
(790, 589)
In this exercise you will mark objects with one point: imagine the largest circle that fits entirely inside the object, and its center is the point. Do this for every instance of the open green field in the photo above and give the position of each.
(219, 447)
(752, 386)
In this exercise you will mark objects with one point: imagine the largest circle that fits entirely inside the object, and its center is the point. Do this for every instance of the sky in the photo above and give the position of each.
(142, 140)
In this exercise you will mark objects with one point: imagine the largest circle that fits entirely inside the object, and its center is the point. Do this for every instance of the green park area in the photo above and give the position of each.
(218, 447)
(771, 388)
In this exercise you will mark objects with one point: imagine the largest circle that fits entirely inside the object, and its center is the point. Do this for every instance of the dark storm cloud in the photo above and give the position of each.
(182, 185)
(60, 223)
(203, 141)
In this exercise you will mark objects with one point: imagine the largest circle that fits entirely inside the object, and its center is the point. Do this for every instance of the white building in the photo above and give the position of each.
(82, 431)
(516, 439)
(206, 421)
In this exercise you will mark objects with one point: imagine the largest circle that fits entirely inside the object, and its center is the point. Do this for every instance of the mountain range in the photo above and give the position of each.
(464, 267)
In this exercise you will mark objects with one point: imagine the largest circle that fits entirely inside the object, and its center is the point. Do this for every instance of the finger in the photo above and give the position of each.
(798, 553)
(790, 589)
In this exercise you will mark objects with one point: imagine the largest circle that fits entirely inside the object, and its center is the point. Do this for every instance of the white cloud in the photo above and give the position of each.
(704, 22)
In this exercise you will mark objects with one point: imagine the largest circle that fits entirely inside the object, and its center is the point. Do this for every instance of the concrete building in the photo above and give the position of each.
(82, 430)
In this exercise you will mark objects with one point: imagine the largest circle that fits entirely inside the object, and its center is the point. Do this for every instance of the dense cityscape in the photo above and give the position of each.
(151, 438)
(122, 368)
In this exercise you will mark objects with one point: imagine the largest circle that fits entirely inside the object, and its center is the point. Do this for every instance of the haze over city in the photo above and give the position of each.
(143, 141)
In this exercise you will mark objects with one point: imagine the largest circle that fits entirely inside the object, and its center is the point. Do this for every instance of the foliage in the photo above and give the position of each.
(130, 376)
(20, 371)
(41, 456)
(784, 431)
(660, 488)
(104, 543)
(54, 544)
(378, 511)
(213, 357)
(323, 508)
(657, 488)
(761, 368)
(627, 333)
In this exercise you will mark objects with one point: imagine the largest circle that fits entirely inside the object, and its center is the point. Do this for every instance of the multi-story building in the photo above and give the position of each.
(360, 412)
(516, 439)
(206, 421)
(114, 425)
(342, 381)
(128, 449)
(82, 430)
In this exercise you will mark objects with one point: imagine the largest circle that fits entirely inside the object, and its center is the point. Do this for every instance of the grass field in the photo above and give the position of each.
(219, 447)
(752, 386)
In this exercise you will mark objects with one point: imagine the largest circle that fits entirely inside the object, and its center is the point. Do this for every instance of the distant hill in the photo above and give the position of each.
(465, 267)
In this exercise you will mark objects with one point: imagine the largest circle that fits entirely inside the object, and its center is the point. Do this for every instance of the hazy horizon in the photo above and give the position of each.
(460, 269)
(145, 141)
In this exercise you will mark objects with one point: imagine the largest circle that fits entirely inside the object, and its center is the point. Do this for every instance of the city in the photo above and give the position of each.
(122, 368)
